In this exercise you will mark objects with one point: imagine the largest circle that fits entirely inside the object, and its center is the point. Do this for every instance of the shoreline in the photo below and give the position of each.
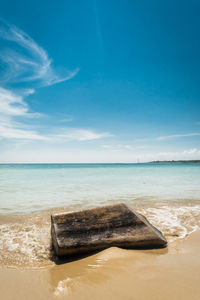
(114, 273)
(25, 239)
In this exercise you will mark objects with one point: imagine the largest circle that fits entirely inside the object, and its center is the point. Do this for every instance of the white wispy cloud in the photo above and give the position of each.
(24, 60)
(12, 106)
(11, 131)
(66, 120)
(167, 137)
(78, 134)
(161, 138)
(193, 153)
(122, 147)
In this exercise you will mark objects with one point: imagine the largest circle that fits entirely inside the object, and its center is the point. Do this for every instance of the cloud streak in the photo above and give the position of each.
(174, 136)
(13, 106)
(9, 130)
(25, 61)
(122, 147)
(78, 134)
(168, 137)
(98, 27)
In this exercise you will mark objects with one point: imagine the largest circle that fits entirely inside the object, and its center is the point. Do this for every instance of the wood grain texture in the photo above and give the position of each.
(103, 227)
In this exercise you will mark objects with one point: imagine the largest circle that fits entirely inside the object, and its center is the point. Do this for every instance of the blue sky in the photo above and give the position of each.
(99, 81)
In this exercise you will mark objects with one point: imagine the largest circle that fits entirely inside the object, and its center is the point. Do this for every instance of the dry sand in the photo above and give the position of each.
(166, 274)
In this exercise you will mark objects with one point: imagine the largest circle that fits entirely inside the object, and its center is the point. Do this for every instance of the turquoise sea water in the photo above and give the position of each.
(31, 188)
(167, 194)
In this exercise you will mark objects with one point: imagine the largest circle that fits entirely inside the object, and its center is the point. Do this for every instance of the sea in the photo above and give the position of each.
(168, 194)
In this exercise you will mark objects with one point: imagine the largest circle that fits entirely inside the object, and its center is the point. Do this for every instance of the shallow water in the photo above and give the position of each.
(33, 188)
(167, 194)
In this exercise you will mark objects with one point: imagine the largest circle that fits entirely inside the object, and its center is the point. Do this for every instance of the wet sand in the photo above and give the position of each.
(164, 274)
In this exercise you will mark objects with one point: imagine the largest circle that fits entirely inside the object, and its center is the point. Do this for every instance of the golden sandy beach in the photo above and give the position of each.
(172, 273)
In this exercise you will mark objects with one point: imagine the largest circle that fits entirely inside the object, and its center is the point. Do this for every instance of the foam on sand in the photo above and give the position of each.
(25, 240)
(174, 222)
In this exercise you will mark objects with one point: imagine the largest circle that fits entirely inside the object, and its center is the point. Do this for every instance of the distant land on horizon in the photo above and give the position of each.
(175, 161)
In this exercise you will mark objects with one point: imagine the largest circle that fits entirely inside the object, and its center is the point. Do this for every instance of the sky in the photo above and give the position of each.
(99, 81)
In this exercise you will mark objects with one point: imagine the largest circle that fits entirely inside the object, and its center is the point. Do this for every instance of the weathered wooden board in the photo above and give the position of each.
(103, 227)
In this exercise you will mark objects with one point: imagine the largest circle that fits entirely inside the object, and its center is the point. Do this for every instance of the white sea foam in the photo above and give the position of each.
(26, 241)
(174, 222)
(23, 243)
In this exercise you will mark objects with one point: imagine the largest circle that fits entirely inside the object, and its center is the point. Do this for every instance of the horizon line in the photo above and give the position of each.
(97, 163)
